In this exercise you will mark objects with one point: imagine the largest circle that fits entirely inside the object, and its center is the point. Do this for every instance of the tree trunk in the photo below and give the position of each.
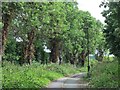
(71, 58)
(82, 57)
(55, 45)
(29, 48)
(6, 22)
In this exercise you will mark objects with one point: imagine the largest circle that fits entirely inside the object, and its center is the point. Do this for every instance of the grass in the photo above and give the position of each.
(35, 75)
(105, 75)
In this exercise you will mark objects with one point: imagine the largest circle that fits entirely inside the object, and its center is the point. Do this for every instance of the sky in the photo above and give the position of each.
(93, 7)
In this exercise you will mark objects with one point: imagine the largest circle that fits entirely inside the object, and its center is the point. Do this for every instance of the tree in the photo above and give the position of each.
(55, 27)
(112, 27)
(8, 12)
(58, 25)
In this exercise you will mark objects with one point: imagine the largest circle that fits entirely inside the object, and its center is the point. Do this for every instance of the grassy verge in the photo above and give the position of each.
(105, 75)
(33, 76)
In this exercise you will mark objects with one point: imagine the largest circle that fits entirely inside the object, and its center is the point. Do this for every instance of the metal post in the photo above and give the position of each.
(88, 53)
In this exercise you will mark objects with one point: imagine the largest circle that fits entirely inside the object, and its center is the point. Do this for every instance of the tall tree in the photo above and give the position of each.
(112, 27)
(7, 13)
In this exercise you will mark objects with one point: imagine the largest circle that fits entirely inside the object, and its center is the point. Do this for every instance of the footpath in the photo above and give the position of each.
(74, 81)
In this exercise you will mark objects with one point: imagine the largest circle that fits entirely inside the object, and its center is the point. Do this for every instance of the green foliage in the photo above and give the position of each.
(112, 27)
(62, 21)
(1, 25)
(62, 69)
(105, 75)
(109, 59)
(33, 76)
(92, 64)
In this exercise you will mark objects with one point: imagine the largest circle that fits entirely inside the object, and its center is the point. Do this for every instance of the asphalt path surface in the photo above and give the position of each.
(74, 81)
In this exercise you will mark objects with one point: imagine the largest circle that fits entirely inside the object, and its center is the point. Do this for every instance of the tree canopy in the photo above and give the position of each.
(60, 26)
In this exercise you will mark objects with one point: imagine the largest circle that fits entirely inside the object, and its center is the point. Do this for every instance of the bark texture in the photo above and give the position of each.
(28, 51)
(55, 47)
(6, 22)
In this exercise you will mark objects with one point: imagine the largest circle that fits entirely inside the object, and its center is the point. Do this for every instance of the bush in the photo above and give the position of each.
(33, 76)
(105, 75)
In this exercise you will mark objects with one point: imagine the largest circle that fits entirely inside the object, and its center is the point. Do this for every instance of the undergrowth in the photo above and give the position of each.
(33, 76)
(105, 75)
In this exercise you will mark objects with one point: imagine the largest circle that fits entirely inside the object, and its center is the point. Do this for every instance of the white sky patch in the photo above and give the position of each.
(93, 7)
(46, 49)
(19, 39)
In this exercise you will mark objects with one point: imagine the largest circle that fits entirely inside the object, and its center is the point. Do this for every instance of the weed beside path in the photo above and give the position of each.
(105, 75)
(35, 75)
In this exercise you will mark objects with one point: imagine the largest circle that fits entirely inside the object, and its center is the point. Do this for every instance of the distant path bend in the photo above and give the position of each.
(74, 81)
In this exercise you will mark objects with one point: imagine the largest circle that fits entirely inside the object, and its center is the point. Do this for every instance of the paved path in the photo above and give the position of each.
(75, 81)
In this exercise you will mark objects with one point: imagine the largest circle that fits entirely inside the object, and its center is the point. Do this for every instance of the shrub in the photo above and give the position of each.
(34, 75)
(105, 75)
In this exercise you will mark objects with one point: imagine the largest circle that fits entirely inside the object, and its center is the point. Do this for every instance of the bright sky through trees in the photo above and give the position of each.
(93, 7)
